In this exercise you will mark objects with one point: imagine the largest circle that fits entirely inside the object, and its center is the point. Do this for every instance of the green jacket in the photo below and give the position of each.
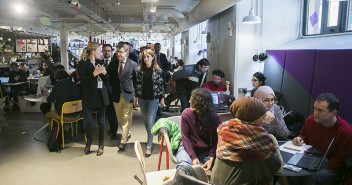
(174, 131)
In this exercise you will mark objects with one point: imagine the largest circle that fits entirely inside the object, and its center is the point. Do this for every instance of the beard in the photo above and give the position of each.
(217, 84)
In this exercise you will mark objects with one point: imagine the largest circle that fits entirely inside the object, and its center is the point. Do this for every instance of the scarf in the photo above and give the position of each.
(241, 141)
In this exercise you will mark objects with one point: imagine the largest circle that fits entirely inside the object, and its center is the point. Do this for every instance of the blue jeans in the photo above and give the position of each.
(87, 121)
(184, 159)
(148, 109)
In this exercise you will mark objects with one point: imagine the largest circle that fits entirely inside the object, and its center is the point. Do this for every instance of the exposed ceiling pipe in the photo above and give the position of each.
(170, 12)
(203, 11)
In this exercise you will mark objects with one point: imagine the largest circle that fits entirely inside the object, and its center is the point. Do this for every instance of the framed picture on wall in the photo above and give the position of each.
(21, 45)
(32, 45)
(42, 45)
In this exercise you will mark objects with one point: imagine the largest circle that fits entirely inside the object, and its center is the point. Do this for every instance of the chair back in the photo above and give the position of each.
(176, 119)
(194, 175)
(168, 147)
(71, 107)
(139, 153)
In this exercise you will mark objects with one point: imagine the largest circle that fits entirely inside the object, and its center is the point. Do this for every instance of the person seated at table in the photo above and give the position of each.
(258, 79)
(246, 153)
(16, 75)
(198, 129)
(216, 84)
(274, 120)
(318, 130)
(47, 69)
(63, 91)
(23, 66)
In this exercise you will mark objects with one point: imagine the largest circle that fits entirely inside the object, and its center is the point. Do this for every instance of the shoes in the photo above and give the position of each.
(87, 147)
(148, 152)
(121, 147)
(129, 136)
(101, 148)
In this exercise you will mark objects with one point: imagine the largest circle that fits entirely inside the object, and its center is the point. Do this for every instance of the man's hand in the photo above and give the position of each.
(195, 161)
(207, 165)
(298, 141)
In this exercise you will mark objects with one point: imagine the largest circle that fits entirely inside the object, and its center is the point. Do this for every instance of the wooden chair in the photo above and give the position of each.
(150, 178)
(69, 108)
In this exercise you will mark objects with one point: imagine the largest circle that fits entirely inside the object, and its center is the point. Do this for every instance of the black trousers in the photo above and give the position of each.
(111, 116)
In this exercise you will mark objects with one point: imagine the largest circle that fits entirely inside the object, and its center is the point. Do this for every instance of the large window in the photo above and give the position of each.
(327, 17)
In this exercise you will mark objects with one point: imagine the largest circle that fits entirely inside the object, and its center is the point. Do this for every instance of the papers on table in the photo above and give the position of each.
(291, 148)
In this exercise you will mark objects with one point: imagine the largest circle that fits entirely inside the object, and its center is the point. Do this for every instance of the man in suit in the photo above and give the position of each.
(110, 110)
(122, 78)
(161, 60)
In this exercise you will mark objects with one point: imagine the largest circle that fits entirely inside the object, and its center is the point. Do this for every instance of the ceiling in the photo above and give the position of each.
(96, 17)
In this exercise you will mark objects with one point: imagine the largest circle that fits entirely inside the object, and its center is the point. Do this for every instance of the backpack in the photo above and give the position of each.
(294, 122)
(55, 139)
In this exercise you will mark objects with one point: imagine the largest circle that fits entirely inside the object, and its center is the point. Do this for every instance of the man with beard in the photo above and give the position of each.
(216, 84)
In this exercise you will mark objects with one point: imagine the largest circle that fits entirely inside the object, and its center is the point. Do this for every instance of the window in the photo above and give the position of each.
(327, 17)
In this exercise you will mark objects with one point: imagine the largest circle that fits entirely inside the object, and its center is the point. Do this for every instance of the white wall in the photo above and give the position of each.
(327, 42)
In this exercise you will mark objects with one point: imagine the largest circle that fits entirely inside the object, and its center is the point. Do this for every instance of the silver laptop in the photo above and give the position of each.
(309, 162)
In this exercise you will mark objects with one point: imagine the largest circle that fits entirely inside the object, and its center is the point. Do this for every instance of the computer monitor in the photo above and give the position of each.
(4, 80)
(43, 81)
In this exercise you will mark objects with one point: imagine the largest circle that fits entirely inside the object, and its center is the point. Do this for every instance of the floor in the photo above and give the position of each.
(24, 160)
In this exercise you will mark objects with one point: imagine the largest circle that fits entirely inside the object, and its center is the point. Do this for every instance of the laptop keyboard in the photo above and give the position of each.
(309, 162)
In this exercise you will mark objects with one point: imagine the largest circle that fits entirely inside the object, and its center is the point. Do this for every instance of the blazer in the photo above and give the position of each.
(89, 84)
(164, 63)
(127, 84)
(158, 83)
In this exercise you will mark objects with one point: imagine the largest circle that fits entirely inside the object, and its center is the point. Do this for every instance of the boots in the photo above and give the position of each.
(87, 147)
(101, 148)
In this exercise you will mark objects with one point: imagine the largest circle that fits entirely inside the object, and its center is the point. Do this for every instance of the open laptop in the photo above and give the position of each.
(4, 80)
(307, 161)
(219, 104)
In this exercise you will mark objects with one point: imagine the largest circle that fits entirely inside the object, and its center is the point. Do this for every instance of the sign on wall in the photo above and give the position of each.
(31, 45)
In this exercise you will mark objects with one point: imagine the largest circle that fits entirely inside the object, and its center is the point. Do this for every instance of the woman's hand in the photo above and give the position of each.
(207, 165)
(162, 102)
(298, 141)
(195, 161)
(269, 117)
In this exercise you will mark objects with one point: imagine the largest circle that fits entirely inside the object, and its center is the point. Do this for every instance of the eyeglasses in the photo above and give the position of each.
(267, 100)
(254, 80)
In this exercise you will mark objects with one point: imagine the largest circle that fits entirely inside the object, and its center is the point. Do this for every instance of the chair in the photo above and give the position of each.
(151, 178)
(4, 99)
(194, 175)
(69, 108)
(168, 151)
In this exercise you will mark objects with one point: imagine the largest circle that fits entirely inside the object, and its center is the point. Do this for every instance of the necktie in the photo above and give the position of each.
(121, 70)
(106, 63)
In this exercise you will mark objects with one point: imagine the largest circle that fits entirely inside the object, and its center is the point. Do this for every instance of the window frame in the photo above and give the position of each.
(342, 22)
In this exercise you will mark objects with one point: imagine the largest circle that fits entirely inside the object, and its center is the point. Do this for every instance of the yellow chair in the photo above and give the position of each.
(69, 108)
(154, 178)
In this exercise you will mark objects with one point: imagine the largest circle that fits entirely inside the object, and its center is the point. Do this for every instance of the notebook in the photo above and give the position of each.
(307, 161)
(4, 80)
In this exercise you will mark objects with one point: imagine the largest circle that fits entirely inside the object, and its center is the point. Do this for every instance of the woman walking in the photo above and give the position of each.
(149, 89)
(93, 77)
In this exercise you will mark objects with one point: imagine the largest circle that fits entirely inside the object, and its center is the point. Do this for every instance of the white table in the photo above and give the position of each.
(37, 99)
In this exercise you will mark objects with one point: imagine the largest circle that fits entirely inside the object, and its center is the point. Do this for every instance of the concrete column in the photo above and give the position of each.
(64, 46)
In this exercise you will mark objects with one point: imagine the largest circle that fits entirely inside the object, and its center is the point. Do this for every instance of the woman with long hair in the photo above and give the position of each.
(149, 89)
(198, 129)
(93, 77)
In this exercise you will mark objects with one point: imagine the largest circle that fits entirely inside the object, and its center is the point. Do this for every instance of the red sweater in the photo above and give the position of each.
(210, 85)
(320, 137)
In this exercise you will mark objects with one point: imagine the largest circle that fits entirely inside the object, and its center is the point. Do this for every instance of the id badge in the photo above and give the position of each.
(100, 84)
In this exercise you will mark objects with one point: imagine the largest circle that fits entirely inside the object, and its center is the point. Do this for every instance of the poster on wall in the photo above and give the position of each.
(21, 45)
(43, 45)
(32, 45)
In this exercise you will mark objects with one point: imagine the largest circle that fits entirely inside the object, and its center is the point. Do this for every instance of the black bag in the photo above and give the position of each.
(294, 122)
(55, 139)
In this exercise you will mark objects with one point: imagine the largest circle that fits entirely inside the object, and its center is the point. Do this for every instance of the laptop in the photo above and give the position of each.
(307, 161)
(219, 104)
(4, 80)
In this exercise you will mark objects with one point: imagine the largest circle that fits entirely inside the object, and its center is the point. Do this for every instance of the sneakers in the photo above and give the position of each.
(148, 152)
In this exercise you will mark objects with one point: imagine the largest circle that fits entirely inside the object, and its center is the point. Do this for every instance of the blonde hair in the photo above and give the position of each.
(83, 55)
(87, 51)
(154, 63)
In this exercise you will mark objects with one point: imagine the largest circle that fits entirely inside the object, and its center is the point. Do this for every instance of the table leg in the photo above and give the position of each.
(35, 134)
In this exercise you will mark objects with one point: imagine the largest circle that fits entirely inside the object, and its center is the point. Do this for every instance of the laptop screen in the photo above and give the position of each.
(4, 79)
(215, 98)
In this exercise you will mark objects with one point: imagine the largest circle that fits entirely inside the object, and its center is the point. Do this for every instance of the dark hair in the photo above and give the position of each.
(180, 62)
(332, 99)
(14, 64)
(261, 77)
(218, 72)
(157, 44)
(203, 62)
(202, 101)
(123, 45)
(107, 45)
(61, 74)
(59, 67)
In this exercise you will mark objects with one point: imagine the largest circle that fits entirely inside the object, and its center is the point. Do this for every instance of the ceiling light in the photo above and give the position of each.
(117, 2)
(251, 18)
(19, 8)
(152, 8)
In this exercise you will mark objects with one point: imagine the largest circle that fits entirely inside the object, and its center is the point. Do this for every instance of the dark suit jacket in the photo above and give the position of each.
(133, 57)
(89, 84)
(127, 84)
(64, 91)
(163, 63)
